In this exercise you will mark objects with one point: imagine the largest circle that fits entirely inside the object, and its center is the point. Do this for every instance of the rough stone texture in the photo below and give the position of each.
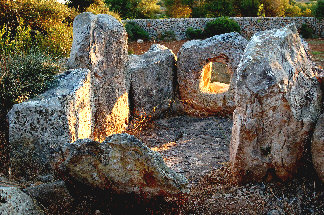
(278, 100)
(15, 202)
(121, 163)
(39, 125)
(54, 197)
(100, 44)
(151, 78)
(318, 147)
(198, 95)
(249, 25)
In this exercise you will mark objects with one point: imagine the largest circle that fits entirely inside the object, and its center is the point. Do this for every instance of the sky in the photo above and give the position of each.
(61, 1)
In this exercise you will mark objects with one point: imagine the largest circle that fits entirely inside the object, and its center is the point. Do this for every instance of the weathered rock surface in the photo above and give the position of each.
(278, 100)
(15, 202)
(198, 95)
(100, 44)
(151, 78)
(54, 197)
(318, 147)
(39, 125)
(121, 163)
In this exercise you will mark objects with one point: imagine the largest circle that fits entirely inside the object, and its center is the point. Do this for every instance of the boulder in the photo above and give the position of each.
(197, 93)
(151, 78)
(278, 100)
(318, 147)
(39, 125)
(100, 44)
(121, 164)
(14, 201)
(53, 196)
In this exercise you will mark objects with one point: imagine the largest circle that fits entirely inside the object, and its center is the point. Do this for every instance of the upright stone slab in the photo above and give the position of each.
(100, 44)
(38, 126)
(278, 100)
(151, 78)
(318, 147)
(198, 95)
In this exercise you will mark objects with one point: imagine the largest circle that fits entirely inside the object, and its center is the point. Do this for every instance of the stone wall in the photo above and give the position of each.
(249, 25)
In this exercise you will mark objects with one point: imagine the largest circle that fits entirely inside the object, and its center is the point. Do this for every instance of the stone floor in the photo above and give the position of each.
(191, 146)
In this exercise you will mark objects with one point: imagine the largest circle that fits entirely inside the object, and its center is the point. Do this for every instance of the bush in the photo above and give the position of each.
(319, 9)
(221, 25)
(194, 34)
(23, 76)
(135, 32)
(167, 36)
(306, 31)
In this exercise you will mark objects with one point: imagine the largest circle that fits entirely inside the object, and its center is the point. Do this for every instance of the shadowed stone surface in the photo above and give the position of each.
(15, 202)
(198, 95)
(151, 81)
(39, 125)
(100, 44)
(278, 100)
(121, 163)
(318, 147)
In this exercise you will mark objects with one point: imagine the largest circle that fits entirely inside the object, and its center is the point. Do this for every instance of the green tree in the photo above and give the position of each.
(80, 5)
(217, 8)
(274, 8)
(319, 9)
(134, 9)
(249, 8)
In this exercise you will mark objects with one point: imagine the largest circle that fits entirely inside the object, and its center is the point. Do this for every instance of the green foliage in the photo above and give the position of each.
(47, 23)
(306, 31)
(220, 26)
(319, 9)
(167, 36)
(134, 9)
(194, 34)
(249, 8)
(135, 32)
(177, 8)
(80, 5)
(217, 8)
(23, 76)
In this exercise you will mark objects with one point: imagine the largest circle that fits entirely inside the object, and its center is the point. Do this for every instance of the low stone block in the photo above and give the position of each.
(151, 79)
(122, 164)
(38, 126)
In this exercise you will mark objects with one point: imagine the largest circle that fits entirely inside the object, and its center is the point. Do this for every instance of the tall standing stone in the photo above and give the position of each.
(278, 100)
(100, 44)
(318, 147)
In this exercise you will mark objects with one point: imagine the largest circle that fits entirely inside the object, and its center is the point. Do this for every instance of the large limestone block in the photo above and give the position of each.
(318, 147)
(151, 78)
(15, 202)
(100, 44)
(278, 100)
(38, 126)
(198, 94)
(122, 164)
